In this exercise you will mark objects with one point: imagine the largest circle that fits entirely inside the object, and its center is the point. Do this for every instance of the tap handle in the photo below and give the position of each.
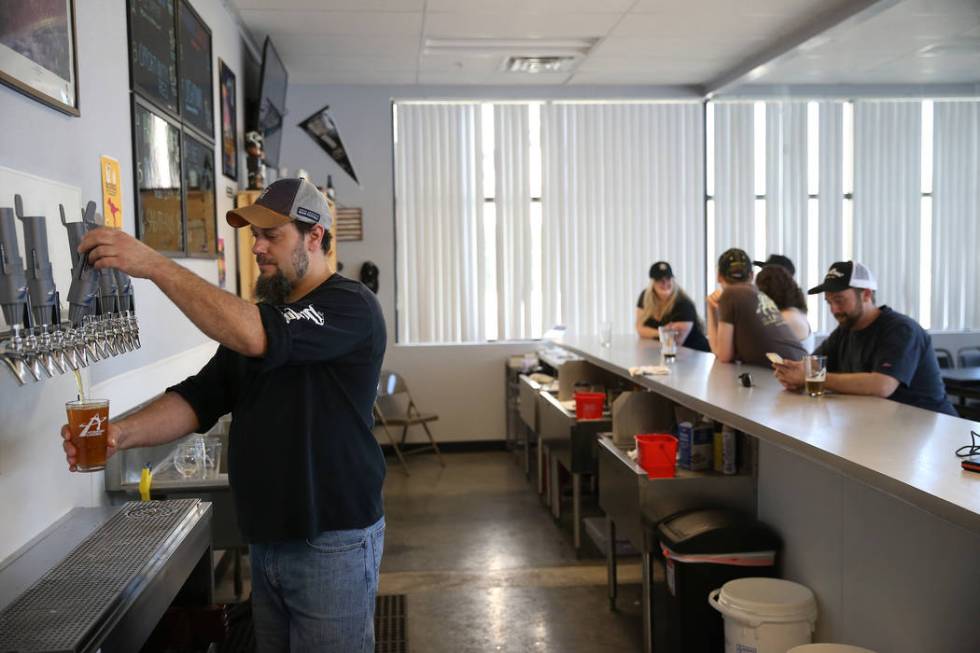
(28, 314)
(85, 278)
(40, 277)
(56, 310)
(125, 287)
(13, 280)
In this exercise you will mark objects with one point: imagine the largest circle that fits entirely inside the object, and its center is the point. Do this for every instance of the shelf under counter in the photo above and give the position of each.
(634, 501)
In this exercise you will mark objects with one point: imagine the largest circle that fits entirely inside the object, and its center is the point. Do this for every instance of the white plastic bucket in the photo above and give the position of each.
(765, 615)
(828, 648)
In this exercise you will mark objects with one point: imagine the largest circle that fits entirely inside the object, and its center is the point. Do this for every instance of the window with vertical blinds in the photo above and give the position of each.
(514, 217)
(891, 183)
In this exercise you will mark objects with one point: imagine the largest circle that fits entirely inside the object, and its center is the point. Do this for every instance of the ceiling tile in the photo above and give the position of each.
(460, 64)
(693, 72)
(347, 45)
(628, 78)
(530, 6)
(488, 25)
(321, 23)
(336, 77)
(332, 5)
(350, 64)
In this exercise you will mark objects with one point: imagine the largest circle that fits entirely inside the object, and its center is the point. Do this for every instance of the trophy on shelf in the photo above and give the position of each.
(256, 169)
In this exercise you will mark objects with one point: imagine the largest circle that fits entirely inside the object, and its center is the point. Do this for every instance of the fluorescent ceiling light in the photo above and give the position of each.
(536, 65)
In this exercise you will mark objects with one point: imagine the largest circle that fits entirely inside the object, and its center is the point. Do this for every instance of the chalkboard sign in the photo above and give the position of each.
(153, 51)
(199, 203)
(196, 91)
(156, 144)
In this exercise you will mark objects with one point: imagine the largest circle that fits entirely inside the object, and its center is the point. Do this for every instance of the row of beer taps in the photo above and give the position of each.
(101, 314)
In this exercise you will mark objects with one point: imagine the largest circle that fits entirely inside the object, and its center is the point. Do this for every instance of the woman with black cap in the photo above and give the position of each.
(663, 303)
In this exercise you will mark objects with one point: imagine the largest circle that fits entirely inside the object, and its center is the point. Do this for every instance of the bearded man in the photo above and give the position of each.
(299, 374)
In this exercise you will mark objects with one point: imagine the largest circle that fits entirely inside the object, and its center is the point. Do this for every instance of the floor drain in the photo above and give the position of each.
(389, 624)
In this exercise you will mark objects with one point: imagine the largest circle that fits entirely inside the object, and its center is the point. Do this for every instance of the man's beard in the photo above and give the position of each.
(277, 288)
(850, 319)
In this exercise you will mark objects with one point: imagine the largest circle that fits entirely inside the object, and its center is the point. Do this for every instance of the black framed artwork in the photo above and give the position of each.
(38, 51)
(159, 200)
(229, 121)
(153, 51)
(199, 203)
(195, 72)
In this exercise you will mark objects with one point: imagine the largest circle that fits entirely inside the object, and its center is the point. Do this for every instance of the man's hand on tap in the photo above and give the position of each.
(114, 248)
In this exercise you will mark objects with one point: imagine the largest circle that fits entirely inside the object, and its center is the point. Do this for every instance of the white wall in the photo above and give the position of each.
(35, 486)
(463, 383)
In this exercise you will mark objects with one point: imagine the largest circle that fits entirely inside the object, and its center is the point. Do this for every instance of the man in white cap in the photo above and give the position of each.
(299, 374)
(874, 350)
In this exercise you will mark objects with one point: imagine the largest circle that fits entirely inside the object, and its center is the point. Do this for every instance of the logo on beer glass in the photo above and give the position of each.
(92, 428)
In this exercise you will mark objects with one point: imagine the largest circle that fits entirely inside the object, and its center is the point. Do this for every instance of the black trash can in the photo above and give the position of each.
(704, 549)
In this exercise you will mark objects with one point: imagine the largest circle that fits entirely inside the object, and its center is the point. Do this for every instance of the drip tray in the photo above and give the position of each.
(64, 609)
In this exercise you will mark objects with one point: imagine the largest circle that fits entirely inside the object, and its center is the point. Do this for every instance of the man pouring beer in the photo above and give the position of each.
(299, 374)
(874, 350)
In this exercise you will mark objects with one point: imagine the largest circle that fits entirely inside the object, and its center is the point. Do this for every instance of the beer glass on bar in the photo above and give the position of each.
(605, 335)
(668, 342)
(815, 374)
(88, 422)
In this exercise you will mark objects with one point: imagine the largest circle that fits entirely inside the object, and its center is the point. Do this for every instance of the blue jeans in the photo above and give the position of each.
(318, 594)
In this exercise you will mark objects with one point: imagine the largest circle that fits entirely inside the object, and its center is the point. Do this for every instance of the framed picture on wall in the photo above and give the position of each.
(37, 51)
(199, 202)
(159, 200)
(153, 52)
(194, 65)
(229, 121)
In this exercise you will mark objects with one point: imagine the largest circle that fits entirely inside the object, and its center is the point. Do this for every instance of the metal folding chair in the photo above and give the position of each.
(396, 407)
(945, 359)
(379, 418)
(969, 356)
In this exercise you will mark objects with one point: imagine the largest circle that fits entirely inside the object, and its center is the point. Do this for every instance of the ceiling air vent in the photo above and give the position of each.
(554, 64)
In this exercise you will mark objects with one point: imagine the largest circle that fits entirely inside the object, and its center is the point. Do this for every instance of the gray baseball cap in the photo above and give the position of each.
(281, 202)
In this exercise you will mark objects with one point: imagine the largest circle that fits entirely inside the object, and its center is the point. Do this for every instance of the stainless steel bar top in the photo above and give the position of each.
(904, 451)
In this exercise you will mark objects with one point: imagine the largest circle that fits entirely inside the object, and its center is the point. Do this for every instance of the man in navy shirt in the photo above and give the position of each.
(299, 374)
(873, 351)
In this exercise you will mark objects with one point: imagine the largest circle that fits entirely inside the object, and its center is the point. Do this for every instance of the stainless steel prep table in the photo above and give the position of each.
(571, 443)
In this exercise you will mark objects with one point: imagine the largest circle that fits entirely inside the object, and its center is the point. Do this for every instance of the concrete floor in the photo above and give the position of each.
(484, 567)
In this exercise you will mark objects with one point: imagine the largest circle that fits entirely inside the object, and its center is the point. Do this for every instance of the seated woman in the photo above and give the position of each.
(777, 283)
(663, 303)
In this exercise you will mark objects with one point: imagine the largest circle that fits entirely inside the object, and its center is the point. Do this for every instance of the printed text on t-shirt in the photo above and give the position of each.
(308, 313)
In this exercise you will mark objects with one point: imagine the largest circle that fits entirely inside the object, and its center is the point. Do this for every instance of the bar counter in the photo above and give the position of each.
(905, 451)
(876, 515)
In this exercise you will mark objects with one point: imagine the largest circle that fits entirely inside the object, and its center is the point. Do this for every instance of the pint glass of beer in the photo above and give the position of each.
(88, 421)
(668, 342)
(815, 374)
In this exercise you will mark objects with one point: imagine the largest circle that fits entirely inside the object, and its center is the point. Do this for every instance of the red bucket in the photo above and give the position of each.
(589, 405)
(657, 454)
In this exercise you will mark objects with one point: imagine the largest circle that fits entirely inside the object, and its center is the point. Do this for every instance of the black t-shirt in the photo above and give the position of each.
(894, 344)
(302, 458)
(683, 311)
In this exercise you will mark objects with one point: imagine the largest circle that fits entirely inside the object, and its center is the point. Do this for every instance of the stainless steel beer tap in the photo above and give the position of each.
(42, 294)
(13, 302)
(108, 309)
(127, 305)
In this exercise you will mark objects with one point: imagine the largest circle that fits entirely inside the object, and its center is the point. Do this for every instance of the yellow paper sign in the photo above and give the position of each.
(111, 192)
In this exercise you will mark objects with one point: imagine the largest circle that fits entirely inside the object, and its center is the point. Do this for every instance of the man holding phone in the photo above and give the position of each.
(874, 350)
